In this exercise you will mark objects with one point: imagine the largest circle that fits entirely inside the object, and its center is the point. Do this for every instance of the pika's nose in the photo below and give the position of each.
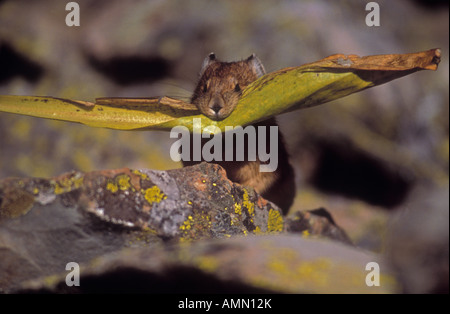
(216, 107)
(216, 104)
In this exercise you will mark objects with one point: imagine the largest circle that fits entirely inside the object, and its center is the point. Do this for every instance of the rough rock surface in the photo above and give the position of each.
(252, 264)
(188, 203)
(418, 242)
(100, 216)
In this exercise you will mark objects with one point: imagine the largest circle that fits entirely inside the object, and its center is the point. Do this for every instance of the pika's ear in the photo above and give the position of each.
(210, 59)
(256, 65)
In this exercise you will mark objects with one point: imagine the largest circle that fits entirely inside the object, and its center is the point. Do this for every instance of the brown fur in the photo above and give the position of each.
(217, 87)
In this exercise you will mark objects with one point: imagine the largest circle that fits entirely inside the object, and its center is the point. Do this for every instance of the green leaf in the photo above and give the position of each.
(275, 93)
(130, 114)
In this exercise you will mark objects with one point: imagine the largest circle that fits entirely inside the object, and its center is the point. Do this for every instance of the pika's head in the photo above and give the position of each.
(221, 84)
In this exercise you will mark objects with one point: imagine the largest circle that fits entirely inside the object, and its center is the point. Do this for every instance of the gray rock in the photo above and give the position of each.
(80, 217)
(418, 242)
(252, 264)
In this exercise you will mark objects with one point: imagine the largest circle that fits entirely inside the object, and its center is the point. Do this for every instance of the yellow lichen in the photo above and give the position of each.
(187, 224)
(112, 187)
(68, 184)
(238, 209)
(154, 195)
(287, 271)
(140, 174)
(293, 272)
(51, 281)
(316, 271)
(250, 205)
(78, 182)
(279, 267)
(195, 226)
(275, 222)
(257, 230)
(58, 189)
(146, 235)
(123, 182)
(208, 263)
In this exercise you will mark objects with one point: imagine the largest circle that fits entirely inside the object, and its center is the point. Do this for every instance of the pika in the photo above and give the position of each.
(216, 95)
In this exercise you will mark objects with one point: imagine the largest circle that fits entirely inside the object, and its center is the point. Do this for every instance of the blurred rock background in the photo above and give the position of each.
(360, 157)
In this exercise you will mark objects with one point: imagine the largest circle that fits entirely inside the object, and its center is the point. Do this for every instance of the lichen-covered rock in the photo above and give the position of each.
(252, 264)
(188, 203)
(79, 216)
(316, 222)
(46, 223)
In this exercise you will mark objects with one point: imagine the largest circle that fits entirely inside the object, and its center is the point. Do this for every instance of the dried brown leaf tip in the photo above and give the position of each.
(425, 60)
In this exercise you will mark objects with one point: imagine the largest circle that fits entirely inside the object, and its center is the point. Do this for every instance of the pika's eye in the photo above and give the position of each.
(205, 88)
(237, 88)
